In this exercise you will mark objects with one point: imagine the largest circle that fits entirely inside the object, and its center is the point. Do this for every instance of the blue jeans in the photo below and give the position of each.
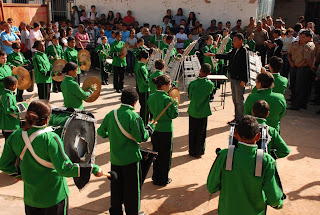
(130, 62)
(237, 97)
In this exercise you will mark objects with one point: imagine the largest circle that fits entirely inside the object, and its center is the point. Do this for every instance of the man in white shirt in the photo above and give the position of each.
(93, 15)
(181, 37)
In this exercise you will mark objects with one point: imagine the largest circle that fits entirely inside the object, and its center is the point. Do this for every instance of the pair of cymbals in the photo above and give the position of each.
(24, 79)
(87, 85)
(84, 59)
(57, 68)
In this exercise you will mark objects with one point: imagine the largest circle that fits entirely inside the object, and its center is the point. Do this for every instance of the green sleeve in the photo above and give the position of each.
(39, 65)
(9, 106)
(172, 111)
(284, 104)
(185, 44)
(95, 169)
(280, 146)
(77, 91)
(270, 186)
(145, 76)
(247, 107)
(8, 158)
(254, 90)
(138, 130)
(190, 90)
(98, 48)
(103, 129)
(214, 178)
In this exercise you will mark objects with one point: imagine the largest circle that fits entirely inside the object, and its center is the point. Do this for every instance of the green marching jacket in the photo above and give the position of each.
(17, 59)
(103, 50)
(42, 68)
(277, 143)
(142, 74)
(157, 102)
(5, 71)
(9, 111)
(199, 93)
(152, 86)
(72, 93)
(71, 55)
(280, 84)
(241, 192)
(43, 187)
(209, 49)
(277, 104)
(115, 49)
(124, 151)
(55, 51)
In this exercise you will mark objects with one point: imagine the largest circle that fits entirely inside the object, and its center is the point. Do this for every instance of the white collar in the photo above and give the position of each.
(40, 126)
(127, 105)
(69, 76)
(246, 144)
(161, 91)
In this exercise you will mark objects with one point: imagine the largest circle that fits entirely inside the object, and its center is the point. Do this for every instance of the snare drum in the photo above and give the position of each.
(148, 156)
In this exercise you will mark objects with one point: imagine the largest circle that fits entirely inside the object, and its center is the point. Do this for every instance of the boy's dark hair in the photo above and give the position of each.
(129, 96)
(142, 54)
(71, 38)
(118, 33)
(36, 44)
(260, 109)
(206, 68)
(69, 67)
(277, 31)
(9, 81)
(55, 37)
(247, 127)
(2, 53)
(276, 64)
(140, 40)
(16, 46)
(159, 64)
(239, 36)
(266, 79)
(169, 38)
(92, 6)
(161, 80)
(36, 24)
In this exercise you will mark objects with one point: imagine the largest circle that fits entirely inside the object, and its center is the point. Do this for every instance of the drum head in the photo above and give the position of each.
(174, 93)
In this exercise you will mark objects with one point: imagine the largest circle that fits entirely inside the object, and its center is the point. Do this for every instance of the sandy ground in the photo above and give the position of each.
(187, 193)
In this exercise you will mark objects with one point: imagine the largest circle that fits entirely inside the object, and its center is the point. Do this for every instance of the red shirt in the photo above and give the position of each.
(128, 20)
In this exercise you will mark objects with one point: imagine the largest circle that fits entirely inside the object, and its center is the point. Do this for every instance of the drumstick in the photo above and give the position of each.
(162, 112)
(28, 101)
(81, 45)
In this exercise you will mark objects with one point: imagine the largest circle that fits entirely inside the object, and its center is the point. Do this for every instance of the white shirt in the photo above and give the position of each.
(34, 35)
(25, 36)
(91, 15)
(182, 37)
(139, 35)
(287, 43)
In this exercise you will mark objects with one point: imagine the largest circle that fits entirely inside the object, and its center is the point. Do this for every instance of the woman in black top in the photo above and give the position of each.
(191, 20)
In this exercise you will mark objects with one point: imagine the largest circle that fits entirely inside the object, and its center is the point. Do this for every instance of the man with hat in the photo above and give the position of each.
(181, 37)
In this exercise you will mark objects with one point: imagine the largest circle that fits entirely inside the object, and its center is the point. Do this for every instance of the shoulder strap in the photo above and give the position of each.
(230, 157)
(28, 140)
(124, 132)
(259, 160)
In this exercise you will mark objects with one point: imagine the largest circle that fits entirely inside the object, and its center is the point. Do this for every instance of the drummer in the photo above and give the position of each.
(159, 65)
(71, 91)
(45, 187)
(71, 55)
(103, 50)
(162, 137)
(5, 70)
(42, 70)
(9, 111)
(54, 53)
(125, 152)
(17, 59)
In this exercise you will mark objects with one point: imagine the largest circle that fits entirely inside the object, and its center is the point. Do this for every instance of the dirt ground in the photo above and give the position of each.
(187, 194)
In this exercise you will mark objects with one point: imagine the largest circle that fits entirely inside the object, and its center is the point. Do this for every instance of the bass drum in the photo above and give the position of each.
(148, 156)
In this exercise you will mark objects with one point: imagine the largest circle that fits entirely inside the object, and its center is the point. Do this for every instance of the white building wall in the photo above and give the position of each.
(152, 11)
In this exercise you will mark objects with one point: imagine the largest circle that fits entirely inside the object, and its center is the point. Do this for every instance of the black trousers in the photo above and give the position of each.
(103, 73)
(118, 76)
(304, 81)
(263, 51)
(144, 109)
(56, 86)
(162, 143)
(197, 135)
(293, 75)
(6, 134)
(59, 209)
(126, 189)
(44, 91)
(19, 95)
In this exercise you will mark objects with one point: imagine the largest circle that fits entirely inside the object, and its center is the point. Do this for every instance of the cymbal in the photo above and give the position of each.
(92, 80)
(57, 68)
(174, 93)
(84, 52)
(85, 63)
(24, 80)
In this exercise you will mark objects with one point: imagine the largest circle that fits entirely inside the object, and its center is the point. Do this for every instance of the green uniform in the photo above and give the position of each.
(157, 102)
(115, 49)
(124, 151)
(241, 192)
(277, 143)
(135, 53)
(142, 74)
(43, 187)
(71, 55)
(206, 59)
(277, 104)
(229, 45)
(186, 44)
(103, 50)
(152, 86)
(9, 111)
(55, 51)
(5, 71)
(251, 44)
(42, 68)
(17, 59)
(72, 93)
(280, 84)
(165, 47)
(199, 93)
(155, 40)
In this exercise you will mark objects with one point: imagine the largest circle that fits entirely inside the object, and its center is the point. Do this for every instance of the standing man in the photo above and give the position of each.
(93, 34)
(260, 37)
(238, 28)
(238, 73)
(93, 15)
(301, 57)
(251, 27)
(8, 38)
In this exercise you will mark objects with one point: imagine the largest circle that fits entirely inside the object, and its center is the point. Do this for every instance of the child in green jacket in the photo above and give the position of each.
(241, 192)
(103, 50)
(251, 43)
(159, 65)
(199, 109)
(73, 94)
(71, 55)
(5, 70)
(8, 107)
(162, 138)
